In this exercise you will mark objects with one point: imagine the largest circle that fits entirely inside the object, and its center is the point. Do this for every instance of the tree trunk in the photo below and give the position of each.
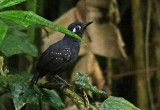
(142, 97)
(156, 34)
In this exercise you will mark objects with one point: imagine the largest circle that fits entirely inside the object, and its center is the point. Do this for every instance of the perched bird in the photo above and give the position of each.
(60, 55)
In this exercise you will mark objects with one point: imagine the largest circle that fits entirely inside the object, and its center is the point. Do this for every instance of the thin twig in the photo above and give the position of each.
(121, 75)
(85, 98)
(109, 73)
(147, 54)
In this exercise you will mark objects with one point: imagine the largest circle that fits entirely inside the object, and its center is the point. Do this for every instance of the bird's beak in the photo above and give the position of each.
(86, 24)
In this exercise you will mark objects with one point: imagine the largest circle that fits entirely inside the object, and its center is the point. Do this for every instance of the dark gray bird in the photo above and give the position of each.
(61, 55)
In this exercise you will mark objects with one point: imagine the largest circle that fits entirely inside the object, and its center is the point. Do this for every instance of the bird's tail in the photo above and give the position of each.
(34, 80)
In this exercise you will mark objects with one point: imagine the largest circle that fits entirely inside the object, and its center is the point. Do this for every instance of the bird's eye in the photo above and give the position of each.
(76, 29)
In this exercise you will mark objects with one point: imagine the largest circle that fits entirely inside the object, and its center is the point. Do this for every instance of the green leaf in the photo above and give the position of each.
(17, 85)
(16, 90)
(12, 25)
(1, 1)
(3, 81)
(3, 30)
(2, 107)
(16, 42)
(51, 98)
(10, 79)
(7, 3)
(26, 18)
(82, 81)
(116, 103)
(22, 94)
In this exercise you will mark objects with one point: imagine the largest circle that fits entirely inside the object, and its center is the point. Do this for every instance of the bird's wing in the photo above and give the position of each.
(54, 60)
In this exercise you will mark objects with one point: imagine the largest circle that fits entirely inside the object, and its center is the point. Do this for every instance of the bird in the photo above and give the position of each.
(60, 55)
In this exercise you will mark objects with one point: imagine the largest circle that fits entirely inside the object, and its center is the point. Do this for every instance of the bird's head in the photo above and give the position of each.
(78, 27)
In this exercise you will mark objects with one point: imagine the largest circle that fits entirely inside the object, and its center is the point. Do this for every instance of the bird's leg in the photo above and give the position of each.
(59, 79)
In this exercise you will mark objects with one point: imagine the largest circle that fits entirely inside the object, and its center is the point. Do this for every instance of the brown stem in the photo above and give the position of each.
(147, 55)
(142, 96)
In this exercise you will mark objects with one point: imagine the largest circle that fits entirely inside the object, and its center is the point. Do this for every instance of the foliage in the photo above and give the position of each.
(22, 94)
(14, 41)
(115, 103)
(24, 44)
(7, 3)
(25, 18)
(111, 103)
(3, 30)
(82, 81)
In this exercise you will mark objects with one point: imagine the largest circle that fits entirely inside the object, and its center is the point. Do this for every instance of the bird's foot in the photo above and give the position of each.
(62, 82)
